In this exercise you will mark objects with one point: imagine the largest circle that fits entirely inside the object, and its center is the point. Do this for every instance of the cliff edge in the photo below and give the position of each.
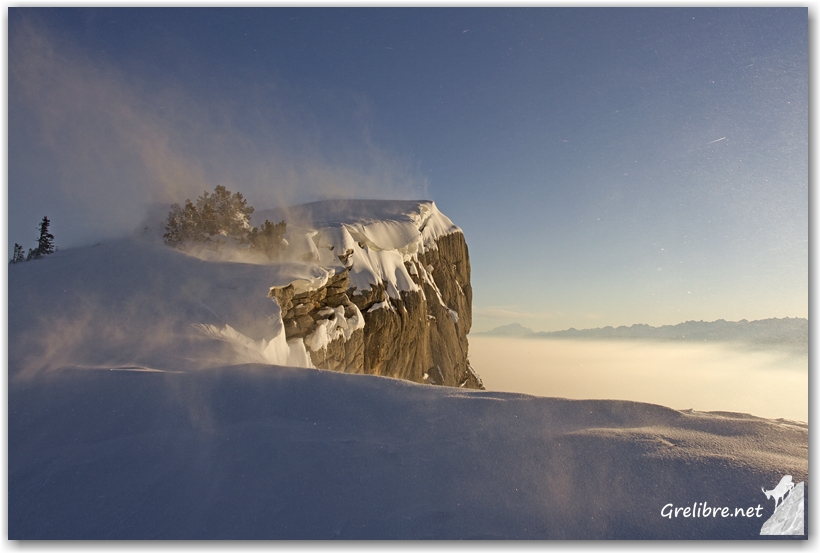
(397, 300)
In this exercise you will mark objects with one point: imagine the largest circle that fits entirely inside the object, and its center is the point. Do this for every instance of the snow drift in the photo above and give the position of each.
(261, 452)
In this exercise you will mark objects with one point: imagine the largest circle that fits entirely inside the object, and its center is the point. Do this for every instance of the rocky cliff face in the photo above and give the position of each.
(397, 301)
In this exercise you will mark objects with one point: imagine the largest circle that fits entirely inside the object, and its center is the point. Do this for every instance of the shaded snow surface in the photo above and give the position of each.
(255, 451)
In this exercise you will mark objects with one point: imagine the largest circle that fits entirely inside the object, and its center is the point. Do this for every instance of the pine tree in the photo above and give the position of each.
(46, 241)
(268, 238)
(191, 223)
(220, 212)
(18, 254)
(239, 213)
(224, 213)
(208, 220)
(173, 227)
(45, 244)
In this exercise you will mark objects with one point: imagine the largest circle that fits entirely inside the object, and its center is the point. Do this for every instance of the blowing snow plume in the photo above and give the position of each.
(136, 303)
(90, 139)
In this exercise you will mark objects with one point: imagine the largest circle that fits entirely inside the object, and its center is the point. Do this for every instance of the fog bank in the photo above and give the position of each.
(704, 377)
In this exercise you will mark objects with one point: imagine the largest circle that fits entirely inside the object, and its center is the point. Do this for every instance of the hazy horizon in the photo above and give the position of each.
(765, 382)
(523, 326)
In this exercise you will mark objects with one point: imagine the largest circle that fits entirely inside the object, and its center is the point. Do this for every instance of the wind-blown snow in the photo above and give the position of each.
(138, 302)
(260, 452)
(271, 351)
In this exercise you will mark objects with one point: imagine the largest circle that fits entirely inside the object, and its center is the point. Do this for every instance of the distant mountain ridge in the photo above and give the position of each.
(513, 329)
(789, 330)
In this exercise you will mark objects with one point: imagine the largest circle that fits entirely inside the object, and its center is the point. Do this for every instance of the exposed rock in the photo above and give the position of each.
(418, 335)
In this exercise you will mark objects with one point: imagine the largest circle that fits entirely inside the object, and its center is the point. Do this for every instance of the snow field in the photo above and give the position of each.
(261, 452)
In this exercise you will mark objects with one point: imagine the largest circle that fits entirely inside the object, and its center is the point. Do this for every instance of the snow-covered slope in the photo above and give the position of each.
(137, 302)
(259, 452)
(147, 400)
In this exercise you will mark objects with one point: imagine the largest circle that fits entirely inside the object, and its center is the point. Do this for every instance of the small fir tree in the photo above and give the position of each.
(46, 241)
(18, 255)
(45, 244)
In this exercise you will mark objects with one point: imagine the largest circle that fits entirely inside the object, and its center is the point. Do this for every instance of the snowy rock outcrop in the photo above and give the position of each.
(397, 301)
(374, 287)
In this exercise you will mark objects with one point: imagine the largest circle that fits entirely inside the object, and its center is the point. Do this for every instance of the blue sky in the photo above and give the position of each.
(608, 166)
